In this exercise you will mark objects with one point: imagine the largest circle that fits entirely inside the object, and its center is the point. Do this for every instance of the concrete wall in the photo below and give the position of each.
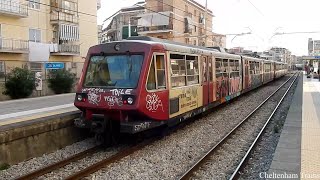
(18, 143)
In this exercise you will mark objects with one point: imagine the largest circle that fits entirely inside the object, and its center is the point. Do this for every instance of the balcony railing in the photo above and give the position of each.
(12, 8)
(155, 29)
(14, 45)
(67, 49)
(55, 17)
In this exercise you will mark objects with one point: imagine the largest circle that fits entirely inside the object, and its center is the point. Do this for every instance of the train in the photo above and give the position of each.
(142, 83)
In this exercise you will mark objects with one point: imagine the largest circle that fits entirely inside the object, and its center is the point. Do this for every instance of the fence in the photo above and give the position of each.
(7, 66)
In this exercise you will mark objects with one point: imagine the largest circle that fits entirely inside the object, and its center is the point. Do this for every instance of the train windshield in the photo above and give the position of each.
(119, 71)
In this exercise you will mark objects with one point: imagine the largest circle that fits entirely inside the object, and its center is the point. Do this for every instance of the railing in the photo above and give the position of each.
(69, 48)
(60, 16)
(155, 28)
(13, 45)
(13, 8)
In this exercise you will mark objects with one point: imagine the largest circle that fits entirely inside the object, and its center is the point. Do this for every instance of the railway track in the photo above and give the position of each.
(59, 164)
(123, 153)
(205, 158)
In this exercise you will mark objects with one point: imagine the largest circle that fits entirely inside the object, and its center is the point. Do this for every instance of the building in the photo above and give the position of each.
(281, 54)
(39, 31)
(313, 47)
(118, 27)
(177, 20)
(35, 32)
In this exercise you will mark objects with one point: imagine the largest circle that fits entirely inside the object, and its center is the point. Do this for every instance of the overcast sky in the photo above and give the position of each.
(263, 17)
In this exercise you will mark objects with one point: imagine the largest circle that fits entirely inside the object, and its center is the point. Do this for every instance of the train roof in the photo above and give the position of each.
(183, 48)
(190, 49)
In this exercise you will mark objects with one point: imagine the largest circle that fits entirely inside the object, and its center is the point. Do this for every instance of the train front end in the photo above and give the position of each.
(112, 94)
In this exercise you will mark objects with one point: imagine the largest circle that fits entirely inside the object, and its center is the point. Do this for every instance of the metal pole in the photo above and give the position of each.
(205, 24)
(129, 28)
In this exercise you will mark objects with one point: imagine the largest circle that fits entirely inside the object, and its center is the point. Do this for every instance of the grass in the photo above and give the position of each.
(4, 166)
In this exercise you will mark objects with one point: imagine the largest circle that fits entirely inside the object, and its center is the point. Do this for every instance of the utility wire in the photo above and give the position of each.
(79, 12)
(256, 7)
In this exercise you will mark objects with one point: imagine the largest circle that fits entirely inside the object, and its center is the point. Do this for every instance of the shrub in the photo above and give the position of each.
(20, 83)
(61, 81)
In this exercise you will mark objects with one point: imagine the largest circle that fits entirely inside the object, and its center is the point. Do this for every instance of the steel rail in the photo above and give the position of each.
(243, 161)
(101, 164)
(202, 160)
(59, 164)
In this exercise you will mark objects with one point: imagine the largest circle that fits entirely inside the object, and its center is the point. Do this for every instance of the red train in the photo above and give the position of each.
(138, 84)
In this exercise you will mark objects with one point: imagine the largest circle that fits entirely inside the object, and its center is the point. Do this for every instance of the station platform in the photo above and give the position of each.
(297, 155)
(26, 110)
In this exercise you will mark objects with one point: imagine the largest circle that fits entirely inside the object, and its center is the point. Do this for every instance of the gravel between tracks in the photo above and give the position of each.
(39, 162)
(172, 155)
(164, 159)
(261, 157)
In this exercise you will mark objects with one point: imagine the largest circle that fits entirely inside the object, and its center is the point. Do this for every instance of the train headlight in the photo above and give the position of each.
(130, 100)
(79, 97)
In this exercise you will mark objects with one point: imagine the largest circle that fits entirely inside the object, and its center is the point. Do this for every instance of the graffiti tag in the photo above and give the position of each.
(112, 100)
(94, 98)
(142, 126)
(153, 102)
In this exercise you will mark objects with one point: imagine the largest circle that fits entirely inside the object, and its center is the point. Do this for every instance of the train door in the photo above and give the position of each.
(246, 74)
(205, 79)
(156, 86)
(211, 84)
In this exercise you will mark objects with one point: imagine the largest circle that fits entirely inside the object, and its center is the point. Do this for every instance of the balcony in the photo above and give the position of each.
(155, 29)
(56, 17)
(67, 50)
(155, 23)
(13, 9)
(13, 46)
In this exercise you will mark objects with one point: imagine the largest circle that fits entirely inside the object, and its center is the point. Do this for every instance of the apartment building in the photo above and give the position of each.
(118, 26)
(177, 20)
(33, 32)
(313, 47)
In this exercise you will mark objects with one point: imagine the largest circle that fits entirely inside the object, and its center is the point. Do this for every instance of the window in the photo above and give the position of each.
(35, 35)
(184, 70)
(195, 28)
(234, 68)
(222, 67)
(34, 4)
(157, 73)
(192, 70)
(2, 67)
(0, 30)
(210, 69)
(114, 71)
(178, 70)
(36, 67)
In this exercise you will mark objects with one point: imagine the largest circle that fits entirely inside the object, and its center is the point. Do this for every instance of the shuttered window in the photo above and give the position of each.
(69, 32)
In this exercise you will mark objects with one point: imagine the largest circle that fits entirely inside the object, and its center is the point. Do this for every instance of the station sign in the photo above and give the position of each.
(54, 65)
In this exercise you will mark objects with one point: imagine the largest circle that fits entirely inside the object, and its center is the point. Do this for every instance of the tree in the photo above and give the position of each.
(61, 81)
(20, 83)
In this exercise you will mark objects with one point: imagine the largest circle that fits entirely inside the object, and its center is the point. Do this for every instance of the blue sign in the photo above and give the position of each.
(54, 65)
(317, 57)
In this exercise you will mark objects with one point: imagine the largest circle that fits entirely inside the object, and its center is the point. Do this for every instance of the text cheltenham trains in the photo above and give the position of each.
(138, 84)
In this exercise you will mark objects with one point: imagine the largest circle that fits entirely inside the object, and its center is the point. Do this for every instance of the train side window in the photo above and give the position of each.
(151, 84)
(204, 69)
(157, 75)
(178, 70)
(192, 70)
(210, 69)
(219, 67)
(161, 72)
